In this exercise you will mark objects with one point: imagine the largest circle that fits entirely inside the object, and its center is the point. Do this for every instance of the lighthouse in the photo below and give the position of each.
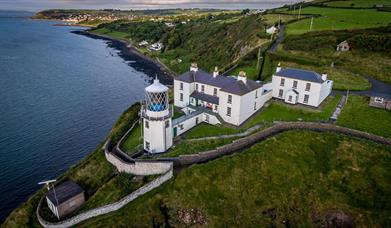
(156, 117)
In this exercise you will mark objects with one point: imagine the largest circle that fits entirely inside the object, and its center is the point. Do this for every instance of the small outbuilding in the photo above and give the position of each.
(343, 46)
(271, 30)
(65, 198)
(380, 100)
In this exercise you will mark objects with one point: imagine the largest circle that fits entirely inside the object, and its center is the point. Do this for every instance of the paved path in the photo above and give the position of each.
(280, 38)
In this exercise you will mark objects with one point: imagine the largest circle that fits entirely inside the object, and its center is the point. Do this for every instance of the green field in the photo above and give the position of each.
(357, 114)
(301, 177)
(358, 3)
(336, 19)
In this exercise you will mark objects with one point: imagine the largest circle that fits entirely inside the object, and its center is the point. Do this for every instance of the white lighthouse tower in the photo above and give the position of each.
(156, 116)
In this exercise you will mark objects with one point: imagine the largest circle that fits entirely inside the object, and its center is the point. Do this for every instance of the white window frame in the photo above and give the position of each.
(229, 111)
(229, 100)
(181, 86)
(308, 98)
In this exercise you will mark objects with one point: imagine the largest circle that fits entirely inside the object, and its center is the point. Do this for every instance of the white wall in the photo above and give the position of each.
(325, 91)
(235, 108)
(158, 136)
(188, 124)
(187, 90)
(314, 93)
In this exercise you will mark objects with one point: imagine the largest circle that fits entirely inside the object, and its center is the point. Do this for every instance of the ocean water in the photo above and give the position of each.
(60, 94)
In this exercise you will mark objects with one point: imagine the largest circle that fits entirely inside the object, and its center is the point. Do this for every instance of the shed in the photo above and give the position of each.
(343, 46)
(65, 198)
(380, 100)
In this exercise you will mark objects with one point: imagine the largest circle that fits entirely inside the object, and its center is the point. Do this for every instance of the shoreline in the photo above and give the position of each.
(128, 52)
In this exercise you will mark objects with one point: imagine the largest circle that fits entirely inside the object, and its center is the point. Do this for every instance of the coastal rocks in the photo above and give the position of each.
(191, 217)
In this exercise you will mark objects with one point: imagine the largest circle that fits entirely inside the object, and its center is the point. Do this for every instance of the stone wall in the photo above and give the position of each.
(107, 208)
(271, 131)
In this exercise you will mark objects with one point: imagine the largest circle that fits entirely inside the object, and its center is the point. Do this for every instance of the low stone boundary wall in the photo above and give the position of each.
(271, 131)
(107, 208)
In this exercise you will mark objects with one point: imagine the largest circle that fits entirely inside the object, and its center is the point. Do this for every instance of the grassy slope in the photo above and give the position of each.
(296, 176)
(359, 115)
(335, 19)
(214, 44)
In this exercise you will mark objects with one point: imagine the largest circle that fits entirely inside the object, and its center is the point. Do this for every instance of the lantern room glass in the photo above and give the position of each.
(157, 102)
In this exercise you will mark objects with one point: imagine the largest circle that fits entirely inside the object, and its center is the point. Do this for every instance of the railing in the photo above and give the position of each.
(143, 113)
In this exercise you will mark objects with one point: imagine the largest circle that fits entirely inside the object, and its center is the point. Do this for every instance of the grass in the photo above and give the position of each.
(300, 177)
(272, 19)
(359, 115)
(250, 67)
(357, 3)
(336, 19)
(134, 139)
(188, 147)
(114, 34)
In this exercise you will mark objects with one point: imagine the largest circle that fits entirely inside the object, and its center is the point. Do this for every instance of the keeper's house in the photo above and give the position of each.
(234, 99)
(301, 86)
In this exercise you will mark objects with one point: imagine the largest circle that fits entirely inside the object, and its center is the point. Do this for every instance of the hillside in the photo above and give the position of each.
(210, 41)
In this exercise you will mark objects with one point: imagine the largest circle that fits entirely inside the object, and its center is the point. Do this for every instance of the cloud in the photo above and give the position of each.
(136, 4)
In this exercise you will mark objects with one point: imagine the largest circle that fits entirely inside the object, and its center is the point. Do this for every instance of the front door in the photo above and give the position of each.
(175, 131)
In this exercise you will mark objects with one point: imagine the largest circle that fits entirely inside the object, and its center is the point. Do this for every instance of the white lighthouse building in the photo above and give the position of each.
(156, 116)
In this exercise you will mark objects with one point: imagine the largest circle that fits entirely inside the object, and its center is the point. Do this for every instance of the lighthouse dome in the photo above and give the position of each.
(156, 87)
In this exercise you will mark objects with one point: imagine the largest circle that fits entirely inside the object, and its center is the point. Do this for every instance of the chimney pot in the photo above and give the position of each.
(278, 69)
(194, 67)
(216, 72)
(324, 76)
(242, 76)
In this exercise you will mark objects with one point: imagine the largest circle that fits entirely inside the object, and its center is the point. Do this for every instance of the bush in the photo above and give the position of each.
(370, 42)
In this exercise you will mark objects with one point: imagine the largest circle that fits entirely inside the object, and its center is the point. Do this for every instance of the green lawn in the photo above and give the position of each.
(335, 19)
(132, 142)
(357, 3)
(359, 115)
(187, 147)
(250, 67)
(272, 19)
(114, 34)
(301, 177)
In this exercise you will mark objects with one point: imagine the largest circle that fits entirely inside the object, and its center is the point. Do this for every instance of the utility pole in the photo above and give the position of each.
(299, 12)
(279, 21)
(259, 57)
(312, 22)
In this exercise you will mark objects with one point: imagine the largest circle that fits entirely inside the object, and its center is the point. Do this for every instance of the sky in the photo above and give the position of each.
(36, 5)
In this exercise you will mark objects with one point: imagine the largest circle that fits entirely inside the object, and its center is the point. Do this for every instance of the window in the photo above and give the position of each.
(181, 86)
(146, 124)
(280, 93)
(202, 88)
(216, 107)
(197, 87)
(379, 99)
(256, 93)
(307, 87)
(290, 98)
(167, 123)
(294, 84)
(181, 126)
(282, 83)
(214, 92)
(306, 98)
(229, 99)
(181, 96)
(255, 106)
(207, 118)
(228, 111)
(147, 145)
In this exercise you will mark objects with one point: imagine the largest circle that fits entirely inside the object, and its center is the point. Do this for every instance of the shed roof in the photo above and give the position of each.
(63, 192)
(226, 84)
(304, 75)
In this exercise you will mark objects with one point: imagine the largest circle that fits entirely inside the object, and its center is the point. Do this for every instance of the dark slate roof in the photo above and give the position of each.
(304, 75)
(205, 97)
(226, 84)
(64, 192)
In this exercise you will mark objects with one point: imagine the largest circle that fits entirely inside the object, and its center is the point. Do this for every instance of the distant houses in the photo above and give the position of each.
(156, 46)
(343, 46)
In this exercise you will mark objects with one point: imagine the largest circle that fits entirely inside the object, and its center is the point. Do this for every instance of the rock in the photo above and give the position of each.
(338, 218)
(191, 217)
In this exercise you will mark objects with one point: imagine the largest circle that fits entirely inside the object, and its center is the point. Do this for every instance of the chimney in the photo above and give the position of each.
(278, 69)
(242, 77)
(324, 76)
(216, 72)
(194, 67)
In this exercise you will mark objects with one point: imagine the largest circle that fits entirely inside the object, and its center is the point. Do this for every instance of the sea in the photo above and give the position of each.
(60, 94)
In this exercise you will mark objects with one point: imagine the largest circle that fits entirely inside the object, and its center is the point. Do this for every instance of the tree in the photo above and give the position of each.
(245, 11)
